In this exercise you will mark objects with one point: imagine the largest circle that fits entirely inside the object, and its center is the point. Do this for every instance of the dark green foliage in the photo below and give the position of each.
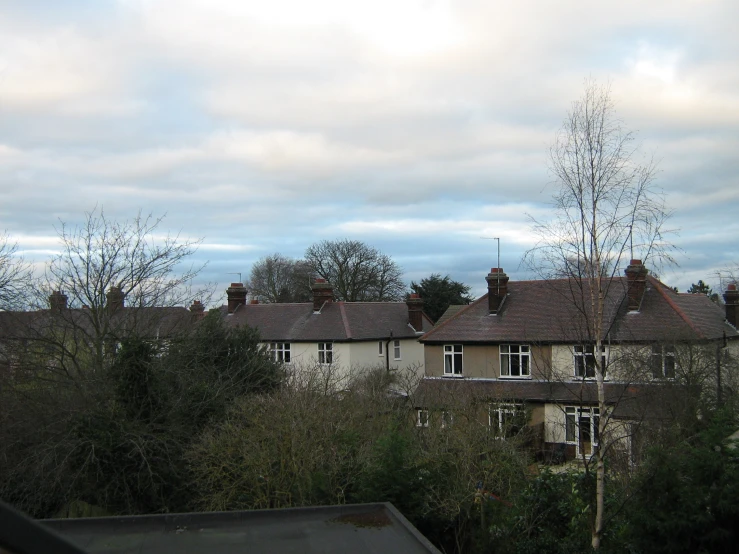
(702, 288)
(686, 500)
(136, 380)
(550, 514)
(116, 440)
(438, 293)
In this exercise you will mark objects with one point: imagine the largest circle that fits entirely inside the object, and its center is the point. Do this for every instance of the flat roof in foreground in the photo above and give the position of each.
(356, 528)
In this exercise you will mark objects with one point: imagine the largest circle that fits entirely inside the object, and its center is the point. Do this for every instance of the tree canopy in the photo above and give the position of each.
(438, 293)
(358, 272)
(278, 278)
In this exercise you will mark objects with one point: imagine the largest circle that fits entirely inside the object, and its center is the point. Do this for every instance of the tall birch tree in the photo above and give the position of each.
(608, 211)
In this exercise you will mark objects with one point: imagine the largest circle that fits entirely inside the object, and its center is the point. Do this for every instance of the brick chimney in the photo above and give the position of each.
(57, 301)
(197, 310)
(497, 289)
(636, 275)
(236, 295)
(415, 312)
(322, 292)
(731, 297)
(115, 298)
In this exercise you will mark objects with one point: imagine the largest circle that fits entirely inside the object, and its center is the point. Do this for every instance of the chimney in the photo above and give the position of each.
(115, 299)
(58, 301)
(497, 289)
(197, 309)
(731, 297)
(415, 312)
(236, 295)
(636, 275)
(322, 293)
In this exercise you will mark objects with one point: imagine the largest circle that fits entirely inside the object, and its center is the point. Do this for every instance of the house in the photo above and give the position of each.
(524, 352)
(67, 340)
(338, 336)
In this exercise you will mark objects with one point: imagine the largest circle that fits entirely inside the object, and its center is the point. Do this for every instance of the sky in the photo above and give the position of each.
(421, 127)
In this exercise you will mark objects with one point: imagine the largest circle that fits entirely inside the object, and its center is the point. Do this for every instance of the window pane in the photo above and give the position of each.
(458, 364)
(570, 428)
(504, 365)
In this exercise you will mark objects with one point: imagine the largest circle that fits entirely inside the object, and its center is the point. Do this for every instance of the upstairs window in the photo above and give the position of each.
(396, 350)
(453, 360)
(585, 363)
(380, 348)
(280, 351)
(515, 360)
(663, 361)
(325, 353)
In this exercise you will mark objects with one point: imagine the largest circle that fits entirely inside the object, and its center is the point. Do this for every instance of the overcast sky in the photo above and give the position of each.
(417, 126)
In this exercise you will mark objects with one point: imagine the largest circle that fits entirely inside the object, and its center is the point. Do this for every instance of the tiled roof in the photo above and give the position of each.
(556, 311)
(146, 321)
(337, 321)
(630, 400)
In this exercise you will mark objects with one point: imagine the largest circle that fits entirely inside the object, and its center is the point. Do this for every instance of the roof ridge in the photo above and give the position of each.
(345, 321)
(661, 289)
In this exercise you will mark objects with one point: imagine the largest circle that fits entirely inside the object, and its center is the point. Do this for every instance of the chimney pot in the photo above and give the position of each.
(322, 292)
(197, 310)
(497, 289)
(57, 301)
(636, 276)
(115, 298)
(731, 299)
(236, 295)
(415, 311)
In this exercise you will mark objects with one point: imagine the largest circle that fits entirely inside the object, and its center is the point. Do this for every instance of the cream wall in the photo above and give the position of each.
(350, 357)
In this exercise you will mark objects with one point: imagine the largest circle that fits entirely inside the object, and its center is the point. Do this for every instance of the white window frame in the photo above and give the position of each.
(497, 416)
(325, 353)
(453, 356)
(511, 352)
(585, 355)
(280, 352)
(573, 416)
(663, 361)
(396, 350)
(422, 418)
(380, 348)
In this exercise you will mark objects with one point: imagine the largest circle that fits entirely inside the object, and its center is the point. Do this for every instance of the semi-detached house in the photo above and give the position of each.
(343, 337)
(524, 354)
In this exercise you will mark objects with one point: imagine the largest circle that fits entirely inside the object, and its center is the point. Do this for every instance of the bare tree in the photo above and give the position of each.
(277, 278)
(607, 210)
(357, 271)
(15, 276)
(104, 265)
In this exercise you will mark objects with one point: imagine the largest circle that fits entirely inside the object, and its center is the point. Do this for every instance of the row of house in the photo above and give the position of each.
(523, 353)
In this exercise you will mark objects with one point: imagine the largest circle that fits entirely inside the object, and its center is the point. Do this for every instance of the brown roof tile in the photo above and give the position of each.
(337, 321)
(557, 311)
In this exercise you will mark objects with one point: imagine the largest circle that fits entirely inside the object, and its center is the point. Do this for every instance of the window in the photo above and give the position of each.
(325, 353)
(280, 351)
(396, 350)
(507, 419)
(515, 360)
(453, 360)
(581, 428)
(663, 361)
(585, 361)
(380, 348)
(447, 419)
(422, 418)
